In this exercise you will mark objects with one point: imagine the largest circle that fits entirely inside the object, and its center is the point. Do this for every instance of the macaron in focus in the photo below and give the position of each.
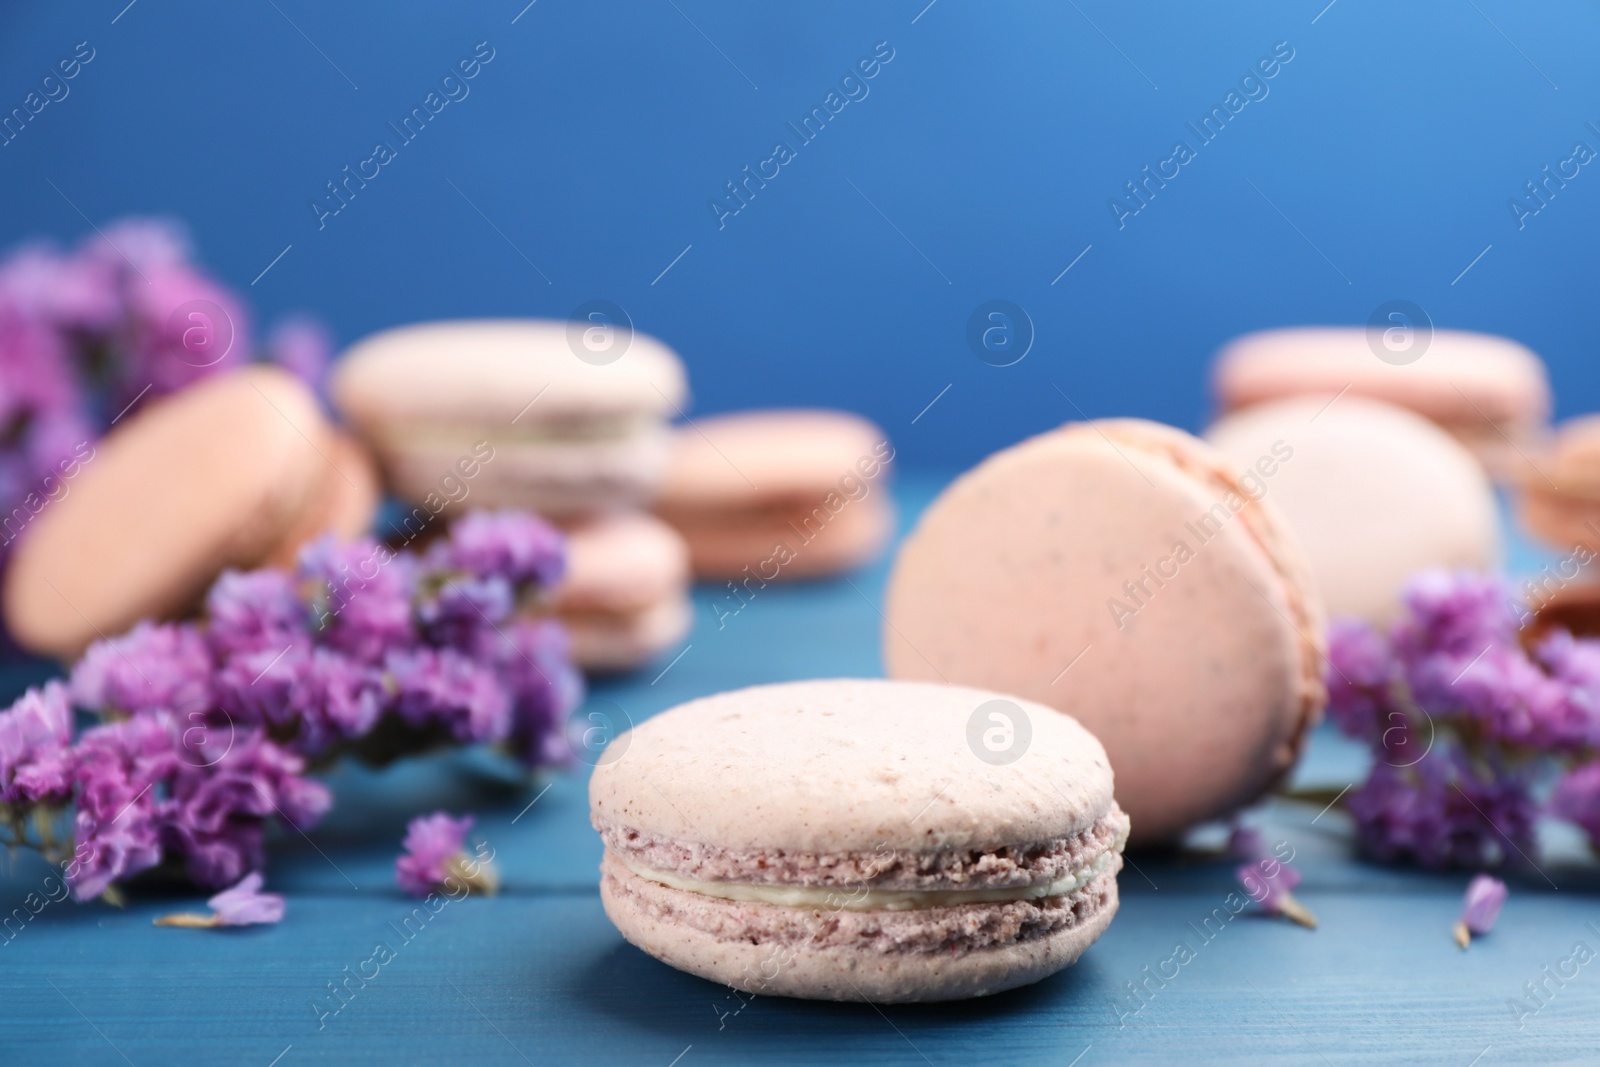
(1121, 572)
(1490, 393)
(779, 494)
(1373, 492)
(560, 434)
(859, 839)
(235, 471)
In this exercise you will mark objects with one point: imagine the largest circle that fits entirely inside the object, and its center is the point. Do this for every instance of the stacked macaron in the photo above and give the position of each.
(859, 840)
(1489, 392)
(625, 595)
(239, 470)
(1373, 493)
(557, 432)
(1560, 498)
(1124, 573)
(780, 494)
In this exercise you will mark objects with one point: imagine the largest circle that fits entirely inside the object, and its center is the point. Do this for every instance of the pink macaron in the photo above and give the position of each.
(859, 840)
(1491, 393)
(625, 595)
(238, 470)
(780, 494)
(1124, 573)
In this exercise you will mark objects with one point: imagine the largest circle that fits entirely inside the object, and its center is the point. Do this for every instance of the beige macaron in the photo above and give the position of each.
(1373, 492)
(235, 471)
(1559, 502)
(780, 494)
(1491, 393)
(567, 432)
(625, 595)
(1120, 571)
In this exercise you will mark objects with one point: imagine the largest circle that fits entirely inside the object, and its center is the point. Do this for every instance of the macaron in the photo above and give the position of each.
(1559, 501)
(780, 494)
(1121, 572)
(859, 840)
(234, 471)
(1374, 493)
(558, 432)
(625, 595)
(1491, 393)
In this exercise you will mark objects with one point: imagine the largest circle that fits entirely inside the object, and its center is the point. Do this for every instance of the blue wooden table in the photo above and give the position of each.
(537, 975)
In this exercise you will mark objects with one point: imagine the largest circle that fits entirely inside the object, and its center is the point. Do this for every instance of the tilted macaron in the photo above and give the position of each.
(859, 840)
(565, 435)
(1491, 393)
(1560, 494)
(780, 494)
(1374, 493)
(1120, 572)
(625, 595)
(235, 471)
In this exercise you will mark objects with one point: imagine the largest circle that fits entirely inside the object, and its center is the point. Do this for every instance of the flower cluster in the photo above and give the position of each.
(85, 333)
(1467, 716)
(208, 725)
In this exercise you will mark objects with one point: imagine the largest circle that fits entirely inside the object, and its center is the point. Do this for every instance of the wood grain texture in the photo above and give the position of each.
(537, 975)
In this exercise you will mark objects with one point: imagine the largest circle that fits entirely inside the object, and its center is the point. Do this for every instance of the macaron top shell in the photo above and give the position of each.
(752, 456)
(1104, 569)
(211, 477)
(1460, 376)
(1374, 493)
(488, 372)
(848, 765)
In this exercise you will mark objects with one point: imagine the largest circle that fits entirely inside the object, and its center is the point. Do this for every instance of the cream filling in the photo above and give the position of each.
(862, 898)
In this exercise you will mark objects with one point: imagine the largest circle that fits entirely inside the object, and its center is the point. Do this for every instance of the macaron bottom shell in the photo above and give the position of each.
(881, 957)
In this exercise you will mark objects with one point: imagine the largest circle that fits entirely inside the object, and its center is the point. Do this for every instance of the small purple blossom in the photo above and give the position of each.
(1480, 908)
(1269, 881)
(435, 857)
(446, 688)
(241, 905)
(361, 596)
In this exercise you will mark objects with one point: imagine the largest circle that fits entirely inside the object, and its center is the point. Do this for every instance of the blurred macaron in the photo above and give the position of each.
(1119, 571)
(1559, 502)
(780, 494)
(1490, 393)
(236, 471)
(1373, 492)
(550, 423)
(625, 596)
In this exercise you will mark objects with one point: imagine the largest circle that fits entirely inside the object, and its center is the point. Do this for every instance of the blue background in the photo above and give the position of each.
(600, 132)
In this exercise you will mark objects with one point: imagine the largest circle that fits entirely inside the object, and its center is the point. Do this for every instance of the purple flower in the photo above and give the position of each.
(431, 843)
(1577, 799)
(361, 594)
(254, 611)
(302, 347)
(445, 688)
(119, 766)
(308, 699)
(1455, 612)
(463, 607)
(514, 545)
(533, 659)
(151, 666)
(1480, 908)
(245, 904)
(1362, 670)
(435, 856)
(215, 818)
(1446, 811)
(242, 905)
(36, 762)
(1270, 884)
